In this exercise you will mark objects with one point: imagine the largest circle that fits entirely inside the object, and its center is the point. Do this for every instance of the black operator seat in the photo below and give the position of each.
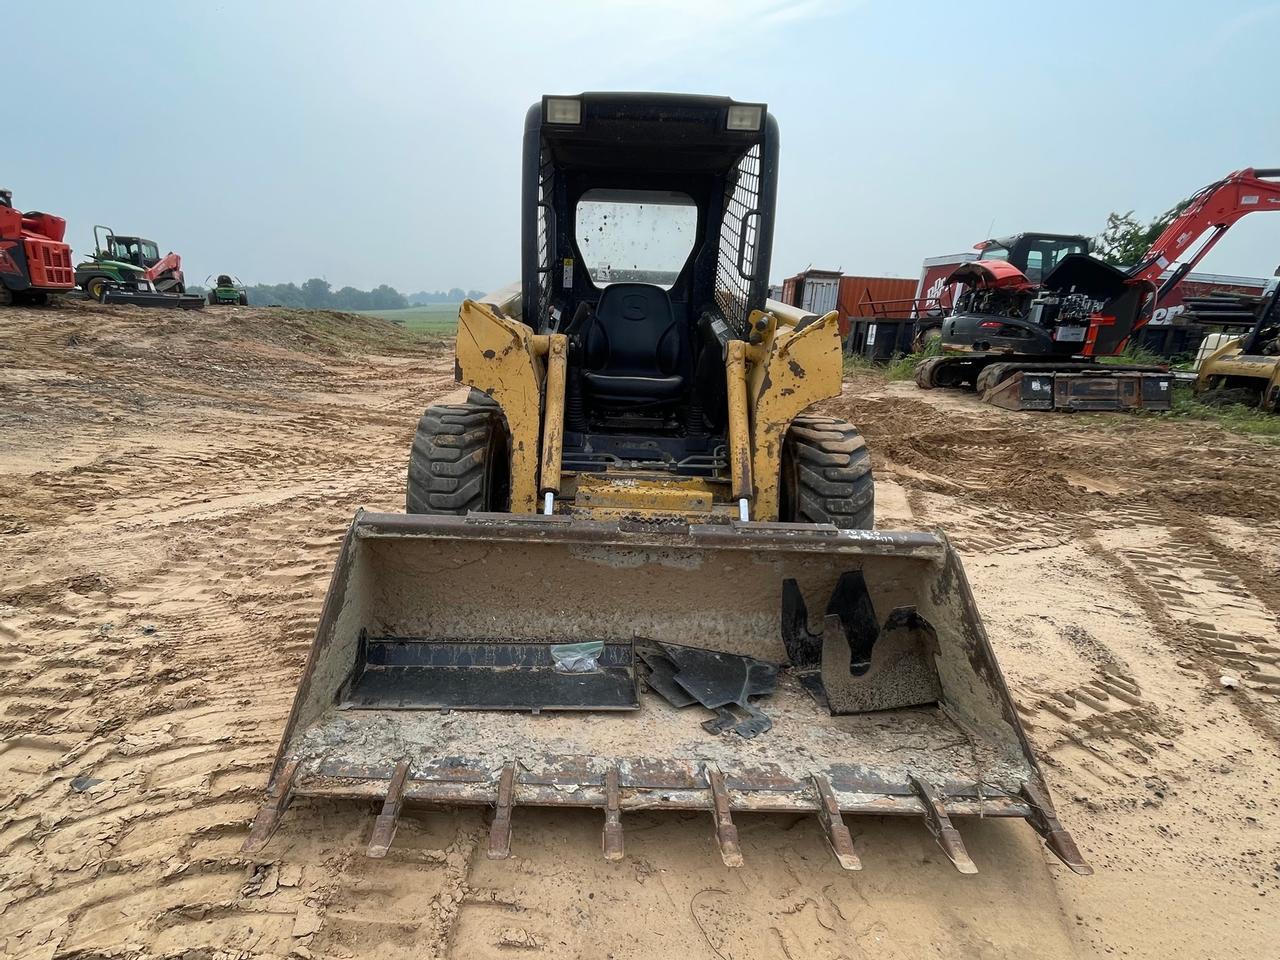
(636, 350)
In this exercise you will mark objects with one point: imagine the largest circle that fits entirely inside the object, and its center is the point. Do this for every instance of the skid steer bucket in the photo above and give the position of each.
(438, 674)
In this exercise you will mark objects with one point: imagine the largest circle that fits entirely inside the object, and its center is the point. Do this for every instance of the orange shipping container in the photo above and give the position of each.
(857, 292)
(852, 297)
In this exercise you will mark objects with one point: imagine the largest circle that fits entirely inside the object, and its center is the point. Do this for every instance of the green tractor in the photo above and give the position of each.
(228, 291)
(131, 270)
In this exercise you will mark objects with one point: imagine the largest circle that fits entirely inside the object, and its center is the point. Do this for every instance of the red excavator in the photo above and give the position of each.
(34, 261)
(1036, 313)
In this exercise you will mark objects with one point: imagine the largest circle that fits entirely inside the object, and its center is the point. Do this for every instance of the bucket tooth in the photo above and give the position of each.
(271, 811)
(1044, 821)
(611, 839)
(939, 824)
(384, 827)
(837, 833)
(500, 830)
(726, 832)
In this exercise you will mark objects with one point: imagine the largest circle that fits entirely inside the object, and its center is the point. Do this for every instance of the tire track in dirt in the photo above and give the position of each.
(1123, 566)
(175, 490)
(162, 578)
(1227, 630)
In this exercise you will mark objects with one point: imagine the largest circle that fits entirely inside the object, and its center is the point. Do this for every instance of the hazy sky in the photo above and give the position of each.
(380, 142)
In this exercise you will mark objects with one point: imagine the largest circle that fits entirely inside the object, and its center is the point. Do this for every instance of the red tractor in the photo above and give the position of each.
(34, 261)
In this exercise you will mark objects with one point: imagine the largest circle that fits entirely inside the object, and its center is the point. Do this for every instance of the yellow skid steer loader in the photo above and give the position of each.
(635, 572)
(1244, 368)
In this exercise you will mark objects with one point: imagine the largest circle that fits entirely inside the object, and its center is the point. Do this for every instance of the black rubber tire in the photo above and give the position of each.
(946, 373)
(987, 379)
(926, 338)
(925, 373)
(826, 475)
(937, 372)
(460, 461)
(244, 299)
(1229, 396)
(212, 297)
(97, 287)
(6, 296)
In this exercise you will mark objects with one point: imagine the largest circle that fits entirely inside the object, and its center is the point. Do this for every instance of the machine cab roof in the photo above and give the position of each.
(1035, 254)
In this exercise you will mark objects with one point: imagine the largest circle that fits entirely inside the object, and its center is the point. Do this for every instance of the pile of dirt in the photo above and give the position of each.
(86, 322)
(1059, 464)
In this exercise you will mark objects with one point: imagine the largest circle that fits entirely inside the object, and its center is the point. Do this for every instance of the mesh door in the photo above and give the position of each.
(736, 283)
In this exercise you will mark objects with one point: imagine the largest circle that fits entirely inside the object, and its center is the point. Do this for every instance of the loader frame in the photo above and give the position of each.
(1242, 362)
(794, 363)
(775, 360)
(649, 404)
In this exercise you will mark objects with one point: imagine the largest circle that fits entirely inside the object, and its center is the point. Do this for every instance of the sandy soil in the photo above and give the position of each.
(172, 494)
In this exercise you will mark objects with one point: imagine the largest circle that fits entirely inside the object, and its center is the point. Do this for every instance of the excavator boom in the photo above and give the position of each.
(1212, 210)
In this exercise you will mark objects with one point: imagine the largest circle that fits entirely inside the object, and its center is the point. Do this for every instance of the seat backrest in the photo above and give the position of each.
(634, 333)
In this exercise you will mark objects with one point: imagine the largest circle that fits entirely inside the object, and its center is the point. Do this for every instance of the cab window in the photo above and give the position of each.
(642, 236)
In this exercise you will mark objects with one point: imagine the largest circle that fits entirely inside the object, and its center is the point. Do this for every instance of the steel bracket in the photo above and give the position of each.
(726, 832)
(611, 839)
(837, 833)
(1057, 838)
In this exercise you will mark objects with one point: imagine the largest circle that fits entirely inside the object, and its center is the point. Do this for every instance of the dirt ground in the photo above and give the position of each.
(173, 489)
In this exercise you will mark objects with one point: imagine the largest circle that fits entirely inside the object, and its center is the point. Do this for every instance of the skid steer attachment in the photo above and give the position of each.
(424, 611)
(638, 569)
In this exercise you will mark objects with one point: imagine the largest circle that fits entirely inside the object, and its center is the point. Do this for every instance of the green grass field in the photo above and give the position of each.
(434, 320)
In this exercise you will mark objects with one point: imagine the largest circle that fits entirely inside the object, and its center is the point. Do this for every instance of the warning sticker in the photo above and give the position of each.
(567, 283)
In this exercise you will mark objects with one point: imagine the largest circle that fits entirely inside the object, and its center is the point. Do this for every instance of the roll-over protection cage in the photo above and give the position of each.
(722, 153)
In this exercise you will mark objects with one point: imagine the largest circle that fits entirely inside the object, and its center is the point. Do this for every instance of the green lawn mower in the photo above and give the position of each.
(228, 291)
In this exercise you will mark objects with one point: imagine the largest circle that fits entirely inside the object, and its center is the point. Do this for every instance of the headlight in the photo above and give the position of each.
(745, 116)
(562, 110)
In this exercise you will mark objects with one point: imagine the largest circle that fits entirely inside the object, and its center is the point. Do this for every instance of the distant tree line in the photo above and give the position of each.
(455, 295)
(317, 294)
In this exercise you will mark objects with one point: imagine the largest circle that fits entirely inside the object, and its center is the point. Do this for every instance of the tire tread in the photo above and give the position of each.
(833, 473)
(447, 461)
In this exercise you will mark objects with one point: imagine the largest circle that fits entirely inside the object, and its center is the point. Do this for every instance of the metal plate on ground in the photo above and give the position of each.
(415, 674)
(686, 675)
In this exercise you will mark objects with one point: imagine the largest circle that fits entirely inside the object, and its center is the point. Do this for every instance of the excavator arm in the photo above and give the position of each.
(1209, 214)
